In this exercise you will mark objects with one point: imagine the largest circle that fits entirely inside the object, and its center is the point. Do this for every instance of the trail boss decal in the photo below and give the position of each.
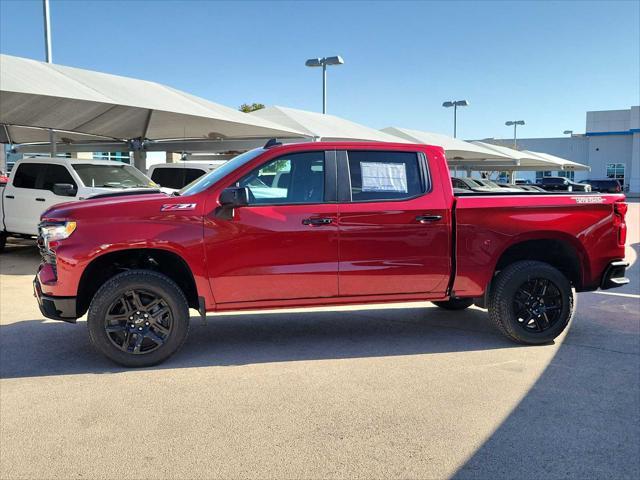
(178, 206)
(588, 199)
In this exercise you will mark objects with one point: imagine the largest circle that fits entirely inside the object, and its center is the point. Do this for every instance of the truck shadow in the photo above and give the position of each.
(38, 348)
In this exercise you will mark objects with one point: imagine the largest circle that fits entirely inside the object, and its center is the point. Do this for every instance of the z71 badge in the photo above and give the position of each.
(178, 206)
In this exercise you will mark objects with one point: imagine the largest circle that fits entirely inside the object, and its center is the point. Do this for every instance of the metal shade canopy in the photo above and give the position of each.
(527, 160)
(37, 94)
(454, 148)
(323, 126)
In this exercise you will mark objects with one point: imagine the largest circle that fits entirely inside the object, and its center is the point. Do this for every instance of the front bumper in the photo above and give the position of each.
(55, 308)
(614, 275)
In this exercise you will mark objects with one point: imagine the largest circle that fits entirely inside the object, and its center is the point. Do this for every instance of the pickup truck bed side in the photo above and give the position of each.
(562, 225)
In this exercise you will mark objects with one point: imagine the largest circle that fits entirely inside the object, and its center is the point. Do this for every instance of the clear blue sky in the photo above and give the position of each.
(545, 62)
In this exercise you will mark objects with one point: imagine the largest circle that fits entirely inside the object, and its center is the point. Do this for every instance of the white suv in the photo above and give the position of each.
(36, 184)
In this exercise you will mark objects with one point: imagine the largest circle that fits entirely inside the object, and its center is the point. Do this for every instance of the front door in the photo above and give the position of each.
(32, 193)
(284, 244)
(395, 230)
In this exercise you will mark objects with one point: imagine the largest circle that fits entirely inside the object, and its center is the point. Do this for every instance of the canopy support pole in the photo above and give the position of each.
(140, 160)
(52, 143)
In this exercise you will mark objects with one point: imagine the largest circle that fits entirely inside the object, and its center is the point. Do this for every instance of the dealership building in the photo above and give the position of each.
(610, 146)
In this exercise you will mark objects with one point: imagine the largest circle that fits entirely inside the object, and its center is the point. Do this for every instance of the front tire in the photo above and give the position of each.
(138, 318)
(531, 302)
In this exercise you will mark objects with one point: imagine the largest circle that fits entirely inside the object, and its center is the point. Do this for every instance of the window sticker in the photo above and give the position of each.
(383, 177)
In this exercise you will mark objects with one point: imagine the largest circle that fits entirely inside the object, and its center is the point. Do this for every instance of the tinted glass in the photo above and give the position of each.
(218, 174)
(27, 175)
(384, 175)
(175, 177)
(295, 178)
(56, 174)
(191, 174)
(112, 176)
(553, 181)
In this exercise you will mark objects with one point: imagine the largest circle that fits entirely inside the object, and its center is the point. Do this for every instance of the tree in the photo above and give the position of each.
(246, 108)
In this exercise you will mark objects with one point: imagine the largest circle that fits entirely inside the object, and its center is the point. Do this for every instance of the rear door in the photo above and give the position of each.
(394, 225)
(284, 244)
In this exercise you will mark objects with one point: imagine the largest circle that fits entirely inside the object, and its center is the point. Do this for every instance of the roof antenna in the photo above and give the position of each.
(273, 142)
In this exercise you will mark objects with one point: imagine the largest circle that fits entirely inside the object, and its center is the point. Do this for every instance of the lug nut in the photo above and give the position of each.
(139, 328)
(146, 323)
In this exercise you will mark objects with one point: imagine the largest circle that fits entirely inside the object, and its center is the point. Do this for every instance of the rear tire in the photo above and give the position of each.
(531, 302)
(138, 318)
(455, 303)
(3, 241)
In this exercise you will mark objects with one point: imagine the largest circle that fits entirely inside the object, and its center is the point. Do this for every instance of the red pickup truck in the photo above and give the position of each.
(316, 224)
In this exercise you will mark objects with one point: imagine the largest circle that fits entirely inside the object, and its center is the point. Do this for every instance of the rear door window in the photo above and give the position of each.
(379, 175)
(26, 176)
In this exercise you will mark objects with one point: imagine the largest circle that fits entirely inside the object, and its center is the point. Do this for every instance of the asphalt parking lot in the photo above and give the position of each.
(405, 392)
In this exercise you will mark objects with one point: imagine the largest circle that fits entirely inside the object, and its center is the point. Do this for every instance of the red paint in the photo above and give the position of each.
(264, 257)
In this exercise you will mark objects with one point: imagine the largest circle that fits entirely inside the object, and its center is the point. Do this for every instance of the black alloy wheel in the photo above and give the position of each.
(538, 305)
(138, 322)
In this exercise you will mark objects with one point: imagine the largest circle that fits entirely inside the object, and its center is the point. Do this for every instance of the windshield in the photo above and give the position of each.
(214, 176)
(112, 176)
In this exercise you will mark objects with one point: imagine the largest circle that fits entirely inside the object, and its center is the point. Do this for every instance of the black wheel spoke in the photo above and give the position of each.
(154, 337)
(135, 298)
(126, 341)
(115, 328)
(138, 343)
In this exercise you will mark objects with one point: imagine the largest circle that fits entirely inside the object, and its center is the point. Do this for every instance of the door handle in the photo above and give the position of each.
(9, 196)
(428, 218)
(40, 200)
(317, 221)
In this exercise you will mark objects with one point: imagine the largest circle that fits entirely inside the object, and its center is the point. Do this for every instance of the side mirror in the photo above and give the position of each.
(234, 197)
(64, 189)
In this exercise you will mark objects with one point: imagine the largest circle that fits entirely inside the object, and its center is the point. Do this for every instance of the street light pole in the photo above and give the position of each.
(49, 58)
(515, 124)
(455, 104)
(47, 30)
(324, 88)
(323, 62)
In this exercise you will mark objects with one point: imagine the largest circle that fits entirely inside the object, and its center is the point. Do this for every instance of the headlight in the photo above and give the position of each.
(54, 232)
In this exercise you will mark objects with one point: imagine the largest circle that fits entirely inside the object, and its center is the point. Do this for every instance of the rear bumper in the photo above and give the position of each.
(55, 308)
(614, 275)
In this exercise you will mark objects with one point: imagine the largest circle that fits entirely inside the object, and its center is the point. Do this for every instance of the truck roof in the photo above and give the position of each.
(67, 161)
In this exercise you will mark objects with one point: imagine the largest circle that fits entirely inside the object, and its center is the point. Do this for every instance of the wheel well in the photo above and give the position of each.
(557, 253)
(106, 266)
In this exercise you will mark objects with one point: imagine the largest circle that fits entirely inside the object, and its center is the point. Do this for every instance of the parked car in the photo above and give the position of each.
(562, 184)
(523, 181)
(4, 178)
(354, 223)
(606, 185)
(470, 184)
(499, 187)
(180, 174)
(36, 184)
(532, 188)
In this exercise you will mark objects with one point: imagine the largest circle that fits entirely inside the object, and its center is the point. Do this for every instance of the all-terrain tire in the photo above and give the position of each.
(154, 283)
(507, 289)
(455, 303)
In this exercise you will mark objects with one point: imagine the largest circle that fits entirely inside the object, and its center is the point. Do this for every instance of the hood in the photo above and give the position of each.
(111, 203)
